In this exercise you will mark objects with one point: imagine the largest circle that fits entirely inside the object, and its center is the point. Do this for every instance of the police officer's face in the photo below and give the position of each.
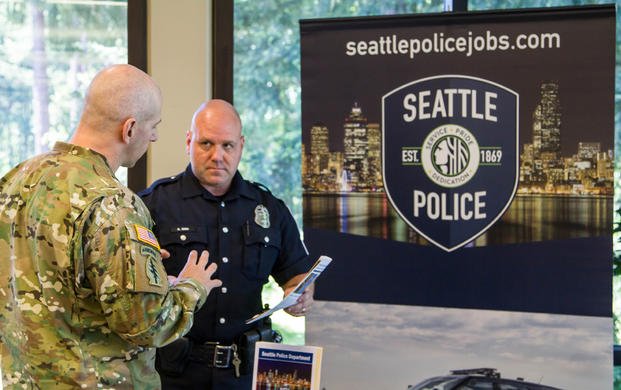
(215, 147)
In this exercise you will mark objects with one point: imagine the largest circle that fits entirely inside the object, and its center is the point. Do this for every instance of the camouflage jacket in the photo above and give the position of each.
(83, 292)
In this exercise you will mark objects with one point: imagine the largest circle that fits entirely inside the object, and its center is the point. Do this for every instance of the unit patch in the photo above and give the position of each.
(151, 266)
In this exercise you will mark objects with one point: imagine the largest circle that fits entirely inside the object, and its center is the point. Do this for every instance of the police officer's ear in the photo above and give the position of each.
(188, 141)
(128, 129)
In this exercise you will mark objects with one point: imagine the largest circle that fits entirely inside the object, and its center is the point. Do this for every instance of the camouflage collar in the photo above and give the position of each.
(76, 150)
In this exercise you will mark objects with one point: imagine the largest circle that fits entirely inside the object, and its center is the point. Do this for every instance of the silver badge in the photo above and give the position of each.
(262, 216)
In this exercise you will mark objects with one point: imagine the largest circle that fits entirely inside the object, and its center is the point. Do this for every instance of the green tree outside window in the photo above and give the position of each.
(49, 52)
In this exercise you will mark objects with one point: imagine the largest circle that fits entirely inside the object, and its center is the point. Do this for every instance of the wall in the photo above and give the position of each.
(179, 55)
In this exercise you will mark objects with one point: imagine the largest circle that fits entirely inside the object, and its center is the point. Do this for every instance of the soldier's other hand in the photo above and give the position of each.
(165, 254)
(201, 270)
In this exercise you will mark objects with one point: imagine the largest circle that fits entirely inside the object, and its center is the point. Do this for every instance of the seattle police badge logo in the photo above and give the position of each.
(450, 155)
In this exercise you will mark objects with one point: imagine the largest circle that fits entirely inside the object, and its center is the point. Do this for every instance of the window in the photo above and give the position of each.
(49, 52)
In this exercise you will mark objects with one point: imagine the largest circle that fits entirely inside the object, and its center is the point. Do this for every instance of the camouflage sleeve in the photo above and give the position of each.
(122, 263)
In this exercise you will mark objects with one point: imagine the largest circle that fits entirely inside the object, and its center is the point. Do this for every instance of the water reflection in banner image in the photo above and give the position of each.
(529, 218)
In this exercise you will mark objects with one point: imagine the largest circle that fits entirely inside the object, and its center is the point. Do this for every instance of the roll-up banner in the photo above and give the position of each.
(458, 168)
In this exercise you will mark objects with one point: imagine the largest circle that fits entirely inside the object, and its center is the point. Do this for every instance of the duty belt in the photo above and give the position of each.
(216, 355)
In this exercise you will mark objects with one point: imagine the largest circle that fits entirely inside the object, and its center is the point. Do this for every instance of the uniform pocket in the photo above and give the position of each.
(261, 249)
(182, 235)
(179, 241)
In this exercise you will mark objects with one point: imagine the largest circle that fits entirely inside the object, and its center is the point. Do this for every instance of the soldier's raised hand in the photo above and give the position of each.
(200, 269)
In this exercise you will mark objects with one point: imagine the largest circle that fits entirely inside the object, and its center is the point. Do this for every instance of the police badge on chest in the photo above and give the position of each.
(262, 216)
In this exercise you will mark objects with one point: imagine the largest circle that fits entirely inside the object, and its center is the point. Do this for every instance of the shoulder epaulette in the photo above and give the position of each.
(260, 186)
(159, 182)
(165, 180)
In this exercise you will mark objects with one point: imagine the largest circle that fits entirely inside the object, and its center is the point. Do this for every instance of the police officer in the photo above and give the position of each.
(83, 291)
(249, 233)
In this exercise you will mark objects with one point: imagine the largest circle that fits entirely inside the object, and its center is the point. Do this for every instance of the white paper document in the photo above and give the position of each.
(293, 296)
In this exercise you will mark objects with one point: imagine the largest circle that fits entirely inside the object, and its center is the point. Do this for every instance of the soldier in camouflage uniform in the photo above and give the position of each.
(84, 296)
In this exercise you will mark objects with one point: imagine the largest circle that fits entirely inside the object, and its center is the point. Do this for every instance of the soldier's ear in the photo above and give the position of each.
(127, 130)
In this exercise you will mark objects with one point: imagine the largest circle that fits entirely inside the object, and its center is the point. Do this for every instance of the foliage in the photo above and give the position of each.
(79, 39)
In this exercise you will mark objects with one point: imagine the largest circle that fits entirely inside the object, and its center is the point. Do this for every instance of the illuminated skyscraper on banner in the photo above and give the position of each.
(319, 149)
(356, 147)
(375, 158)
(543, 168)
(547, 125)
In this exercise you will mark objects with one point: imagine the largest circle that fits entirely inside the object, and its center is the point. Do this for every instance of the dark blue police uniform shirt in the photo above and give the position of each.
(188, 217)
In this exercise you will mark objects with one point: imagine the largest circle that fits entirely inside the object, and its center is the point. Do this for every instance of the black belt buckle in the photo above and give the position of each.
(222, 356)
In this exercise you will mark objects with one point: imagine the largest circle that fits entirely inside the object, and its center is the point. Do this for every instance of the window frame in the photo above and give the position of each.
(137, 56)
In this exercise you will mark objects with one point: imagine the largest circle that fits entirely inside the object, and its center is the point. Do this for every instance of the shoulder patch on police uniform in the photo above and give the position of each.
(146, 236)
(159, 182)
(262, 187)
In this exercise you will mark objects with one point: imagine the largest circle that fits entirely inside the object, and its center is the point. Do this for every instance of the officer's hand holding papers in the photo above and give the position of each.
(293, 297)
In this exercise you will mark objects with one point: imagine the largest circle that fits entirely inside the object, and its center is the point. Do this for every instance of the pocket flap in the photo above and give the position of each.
(258, 235)
(182, 235)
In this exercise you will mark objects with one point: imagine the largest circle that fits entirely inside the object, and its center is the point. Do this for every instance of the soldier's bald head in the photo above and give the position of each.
(116, 93)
